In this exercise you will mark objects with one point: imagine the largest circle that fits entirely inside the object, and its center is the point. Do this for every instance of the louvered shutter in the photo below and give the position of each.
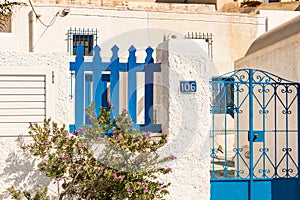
(22, 100)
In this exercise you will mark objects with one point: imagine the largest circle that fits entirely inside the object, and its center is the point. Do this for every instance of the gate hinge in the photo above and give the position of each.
(53, 77)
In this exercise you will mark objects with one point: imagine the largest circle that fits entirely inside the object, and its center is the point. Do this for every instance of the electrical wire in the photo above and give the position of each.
(36, 15)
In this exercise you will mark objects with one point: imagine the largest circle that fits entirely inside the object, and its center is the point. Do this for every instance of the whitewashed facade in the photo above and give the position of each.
(45, 32)
(232, 33)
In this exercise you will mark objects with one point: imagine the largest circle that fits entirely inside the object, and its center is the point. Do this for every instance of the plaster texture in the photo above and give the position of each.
(187, 118)
(16, 167)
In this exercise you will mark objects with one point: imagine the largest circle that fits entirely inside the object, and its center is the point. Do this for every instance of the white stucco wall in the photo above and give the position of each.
(232, 33)
(8, 42)
(16, 167)
(187, 118)
(277, 17)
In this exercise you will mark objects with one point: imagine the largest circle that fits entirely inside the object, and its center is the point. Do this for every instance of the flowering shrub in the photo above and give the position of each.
(107, 160)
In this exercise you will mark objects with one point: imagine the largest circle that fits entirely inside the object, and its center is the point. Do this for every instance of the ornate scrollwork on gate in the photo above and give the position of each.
(259, 101)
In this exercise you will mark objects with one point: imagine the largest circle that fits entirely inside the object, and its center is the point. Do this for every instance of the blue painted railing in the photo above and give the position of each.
(98, 84)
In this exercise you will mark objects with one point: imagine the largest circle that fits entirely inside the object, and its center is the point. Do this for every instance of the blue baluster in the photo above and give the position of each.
(132, 98)
(79, 89)
(114, 80)
(149, 69)
(98, 85)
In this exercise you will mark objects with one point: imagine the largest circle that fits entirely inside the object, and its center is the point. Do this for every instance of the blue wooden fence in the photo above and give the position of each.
(91, 80)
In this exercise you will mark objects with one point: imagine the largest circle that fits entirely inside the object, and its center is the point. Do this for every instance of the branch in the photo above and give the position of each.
(68, 188)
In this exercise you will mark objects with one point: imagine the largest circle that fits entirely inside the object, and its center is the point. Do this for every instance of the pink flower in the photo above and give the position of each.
(169, 169)
(121, 177)
(75, 132)
(147, 135)
(81, 129)
(145, 190)
(119, 138)
(41, 168)
(145, 186)
(128, 189)
(172, 157)
(63, 185)
(46, 143)
(63, 156)
(101, 168)
(115, 176)
(139, 183)
(125, 111)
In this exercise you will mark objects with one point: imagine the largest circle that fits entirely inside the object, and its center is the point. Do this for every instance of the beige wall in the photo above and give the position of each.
(217, 3)
(280, 58)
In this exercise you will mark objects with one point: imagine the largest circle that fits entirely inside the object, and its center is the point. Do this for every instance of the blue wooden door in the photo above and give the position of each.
(254, 137)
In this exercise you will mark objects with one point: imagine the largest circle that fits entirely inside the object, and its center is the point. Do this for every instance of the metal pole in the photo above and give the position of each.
(251, 133)
(298, 136)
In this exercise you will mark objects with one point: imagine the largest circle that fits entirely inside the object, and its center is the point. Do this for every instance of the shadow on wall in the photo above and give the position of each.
(20, 171)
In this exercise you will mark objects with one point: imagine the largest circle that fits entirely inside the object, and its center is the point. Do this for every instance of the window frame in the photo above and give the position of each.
(224, 98)
(87, 37)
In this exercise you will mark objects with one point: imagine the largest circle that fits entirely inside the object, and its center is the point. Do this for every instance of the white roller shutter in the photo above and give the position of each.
(23, 99)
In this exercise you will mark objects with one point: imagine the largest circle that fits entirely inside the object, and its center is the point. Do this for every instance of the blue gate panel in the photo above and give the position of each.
(272, 189)
(229, 190)
(285, 189)
(261, 190)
